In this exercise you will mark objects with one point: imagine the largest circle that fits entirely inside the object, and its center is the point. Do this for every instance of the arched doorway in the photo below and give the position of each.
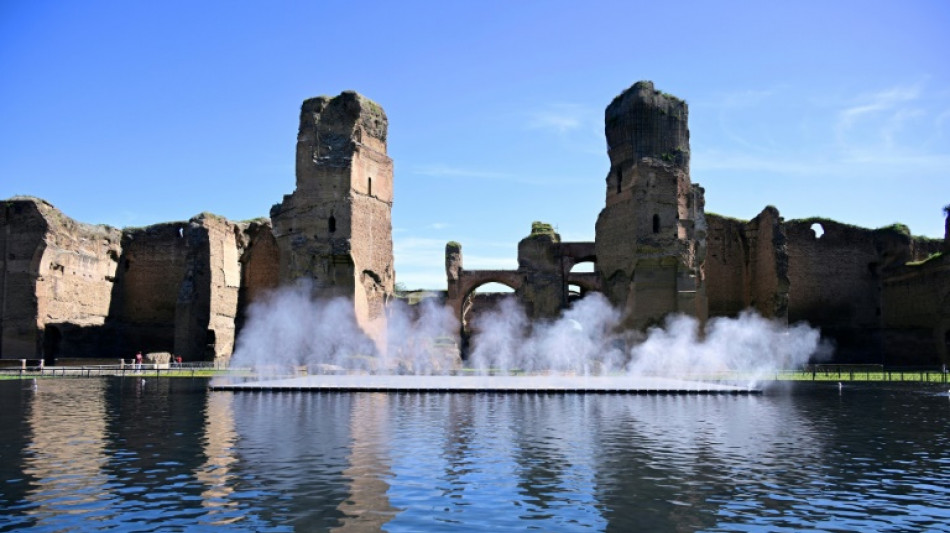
(52, 338)
(582, 279)
(481, 298)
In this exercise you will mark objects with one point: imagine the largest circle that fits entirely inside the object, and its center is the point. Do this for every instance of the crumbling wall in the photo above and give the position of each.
(917, 305)
(727, 266)
(747, 265)
(260, 265)
(208, 296)
(58, 275)
(75, 290)
(544, 291)
(650, 236)
(917, 313)
(22, 244)
(836, 281)
(153, 264)
(335, 230)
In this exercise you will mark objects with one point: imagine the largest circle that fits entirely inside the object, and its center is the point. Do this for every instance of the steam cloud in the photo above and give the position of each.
(289, 329)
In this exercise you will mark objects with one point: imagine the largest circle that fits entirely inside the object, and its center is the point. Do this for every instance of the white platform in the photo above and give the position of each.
(485, 384)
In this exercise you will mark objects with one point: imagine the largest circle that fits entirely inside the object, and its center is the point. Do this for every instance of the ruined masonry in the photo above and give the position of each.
(650, 238)
(73, 290)
(335, 230)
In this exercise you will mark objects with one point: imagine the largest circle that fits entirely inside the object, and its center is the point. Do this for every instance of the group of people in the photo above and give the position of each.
(139, 359)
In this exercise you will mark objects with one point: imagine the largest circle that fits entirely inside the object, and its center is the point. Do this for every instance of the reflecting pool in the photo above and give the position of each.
(167, 454)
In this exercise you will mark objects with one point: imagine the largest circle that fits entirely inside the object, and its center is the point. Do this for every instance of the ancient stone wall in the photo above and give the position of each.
(747, 265)
(917, 305)
(153, 265)
(650, 236)
(917, 313)
(207, 303)
(769, 266)
(836, 280)
(727, 265)
(260, 265)
(58, 277)
(335, 230)
(22, 245)
(544, 291)
(74, 290)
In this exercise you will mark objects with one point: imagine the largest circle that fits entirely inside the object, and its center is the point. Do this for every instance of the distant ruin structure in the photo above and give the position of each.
(650, 237)
(69, 289)
(75, 290)
(335, 230)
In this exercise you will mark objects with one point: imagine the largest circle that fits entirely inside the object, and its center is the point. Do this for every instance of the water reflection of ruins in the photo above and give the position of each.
(367, 460)
(66, 452)
(216, 473)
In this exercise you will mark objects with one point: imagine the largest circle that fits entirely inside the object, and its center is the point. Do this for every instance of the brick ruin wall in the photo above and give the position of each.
(747, 265)
(76, 290)
(917, 313)
(543, 293)
(335, 230)
(57, 278)
(727, 266)
(837, 281)
(259, 265)
(648, 249)
(153, 264)
(207, 300)
(373, 255)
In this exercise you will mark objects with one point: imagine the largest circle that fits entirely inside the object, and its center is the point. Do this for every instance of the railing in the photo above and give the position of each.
(866, 373)
(197, 369)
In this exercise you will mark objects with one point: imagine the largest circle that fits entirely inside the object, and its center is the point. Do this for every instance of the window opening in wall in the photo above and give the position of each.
(369, 187)
(619, 179)
(818, 229)
(656, 223)
(331, 223)
(181, 232)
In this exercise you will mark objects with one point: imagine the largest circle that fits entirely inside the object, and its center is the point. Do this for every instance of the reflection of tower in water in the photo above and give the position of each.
(367, 508)
(66, 453)
(215, 473)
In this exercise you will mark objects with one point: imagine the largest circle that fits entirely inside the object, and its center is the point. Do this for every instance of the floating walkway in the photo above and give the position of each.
(544, 384)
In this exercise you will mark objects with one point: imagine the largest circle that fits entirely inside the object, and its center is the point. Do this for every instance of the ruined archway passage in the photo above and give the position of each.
(468, 281)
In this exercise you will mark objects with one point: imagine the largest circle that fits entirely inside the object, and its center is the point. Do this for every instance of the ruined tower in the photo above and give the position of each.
(650, 236)
(335, 230)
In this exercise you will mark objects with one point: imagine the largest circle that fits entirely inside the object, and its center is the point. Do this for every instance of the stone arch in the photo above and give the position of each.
(573, 253)
(584, 280)
(587, 281)
(469, 280)
(468, 295)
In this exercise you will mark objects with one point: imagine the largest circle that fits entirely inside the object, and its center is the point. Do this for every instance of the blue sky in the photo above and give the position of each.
(134, 113)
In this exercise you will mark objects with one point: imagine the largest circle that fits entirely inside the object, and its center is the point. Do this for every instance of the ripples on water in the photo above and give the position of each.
(85, 454)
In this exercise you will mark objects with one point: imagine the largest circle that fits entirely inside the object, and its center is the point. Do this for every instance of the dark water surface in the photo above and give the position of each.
(168, 455)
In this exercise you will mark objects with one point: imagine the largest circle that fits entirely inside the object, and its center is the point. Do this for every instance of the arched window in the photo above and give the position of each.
(656, 223)
(331, 223)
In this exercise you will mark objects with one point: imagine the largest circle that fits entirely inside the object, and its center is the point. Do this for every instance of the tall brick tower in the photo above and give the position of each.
(651, 235)
(336, 228)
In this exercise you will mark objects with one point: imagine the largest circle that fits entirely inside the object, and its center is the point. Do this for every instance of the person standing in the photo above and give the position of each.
(138, 360)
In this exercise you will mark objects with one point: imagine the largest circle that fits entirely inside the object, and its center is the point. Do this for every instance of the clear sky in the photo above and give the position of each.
(135, 113)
